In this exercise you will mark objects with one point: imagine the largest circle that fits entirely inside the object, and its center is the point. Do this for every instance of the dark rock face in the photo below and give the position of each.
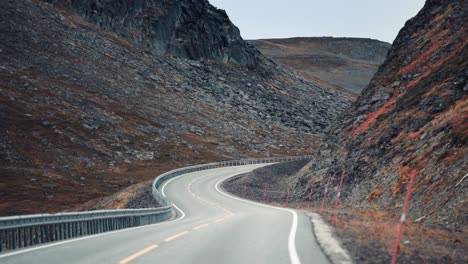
(191, 29)
(411, 119)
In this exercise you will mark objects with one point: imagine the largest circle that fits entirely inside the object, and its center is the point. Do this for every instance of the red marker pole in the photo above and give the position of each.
(403, 217)
(310, 193)
(337, 203)
(325, 193)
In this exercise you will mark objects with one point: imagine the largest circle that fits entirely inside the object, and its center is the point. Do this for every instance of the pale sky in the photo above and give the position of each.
(377, 19)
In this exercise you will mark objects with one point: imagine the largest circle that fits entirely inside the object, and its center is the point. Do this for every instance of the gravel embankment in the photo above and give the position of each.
(268, 183)
(143, 199)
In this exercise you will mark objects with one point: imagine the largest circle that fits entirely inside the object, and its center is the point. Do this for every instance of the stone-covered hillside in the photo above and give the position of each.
(411, 119)
(99, 95)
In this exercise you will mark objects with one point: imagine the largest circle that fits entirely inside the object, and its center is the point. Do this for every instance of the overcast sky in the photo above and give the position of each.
(377, 19)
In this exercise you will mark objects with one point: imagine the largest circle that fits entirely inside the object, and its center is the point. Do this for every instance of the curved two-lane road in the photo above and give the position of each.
(211, 226)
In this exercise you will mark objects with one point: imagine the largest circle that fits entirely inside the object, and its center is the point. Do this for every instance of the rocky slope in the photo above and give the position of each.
(410, 120)
(345, 64)
(98, 95)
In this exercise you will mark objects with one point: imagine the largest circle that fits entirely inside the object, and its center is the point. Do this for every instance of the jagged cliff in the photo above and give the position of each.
(98, 95)
(411, 119)
(189, 29)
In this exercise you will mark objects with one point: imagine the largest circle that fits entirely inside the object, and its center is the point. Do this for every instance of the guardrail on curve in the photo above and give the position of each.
(29, 230)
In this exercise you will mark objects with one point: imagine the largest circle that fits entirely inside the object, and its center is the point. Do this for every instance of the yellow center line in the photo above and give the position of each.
(219, 220)
(176, 236)
(138, 254)
(200, 226)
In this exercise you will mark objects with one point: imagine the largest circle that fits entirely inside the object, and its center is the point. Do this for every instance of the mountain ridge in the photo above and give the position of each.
(345, 64)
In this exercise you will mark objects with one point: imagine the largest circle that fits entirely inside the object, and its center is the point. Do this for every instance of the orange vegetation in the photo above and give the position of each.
(405, 175)
(372, 117)
(374, 194)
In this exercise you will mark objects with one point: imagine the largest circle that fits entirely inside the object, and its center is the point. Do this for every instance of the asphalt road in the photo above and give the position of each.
(211, 226)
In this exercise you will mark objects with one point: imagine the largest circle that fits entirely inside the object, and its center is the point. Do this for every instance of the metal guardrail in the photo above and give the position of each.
(29, 230)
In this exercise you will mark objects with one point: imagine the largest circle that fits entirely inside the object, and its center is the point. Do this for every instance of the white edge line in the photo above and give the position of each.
(182, 213)
(293, 257)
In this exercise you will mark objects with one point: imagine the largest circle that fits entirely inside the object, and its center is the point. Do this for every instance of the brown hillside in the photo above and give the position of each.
(345, 64)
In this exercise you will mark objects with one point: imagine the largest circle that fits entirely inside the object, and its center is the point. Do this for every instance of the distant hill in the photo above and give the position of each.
(338, 63)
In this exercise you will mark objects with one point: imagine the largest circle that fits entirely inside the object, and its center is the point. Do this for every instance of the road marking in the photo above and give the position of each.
(219, 220)
(200, 226)
(206, 201)
(293, 257)
(138, 254)
(182, 214)
(176, 236)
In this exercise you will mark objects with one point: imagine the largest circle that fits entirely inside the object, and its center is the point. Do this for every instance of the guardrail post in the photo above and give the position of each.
(30, 235)
(1, 240)
(46, 233)
(70, 230)
(13, 240)
(36, 235)
(41, 234)
(25, 236)
(54, 228)
(20, 238)
(7, 239)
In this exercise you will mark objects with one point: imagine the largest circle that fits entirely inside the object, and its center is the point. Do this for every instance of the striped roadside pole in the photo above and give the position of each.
(396, 249)
(325, 193)
(337, 203)
(310, 193)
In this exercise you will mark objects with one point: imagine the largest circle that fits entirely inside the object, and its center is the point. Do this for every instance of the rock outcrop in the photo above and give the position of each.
(411, 120)
(191, 29)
